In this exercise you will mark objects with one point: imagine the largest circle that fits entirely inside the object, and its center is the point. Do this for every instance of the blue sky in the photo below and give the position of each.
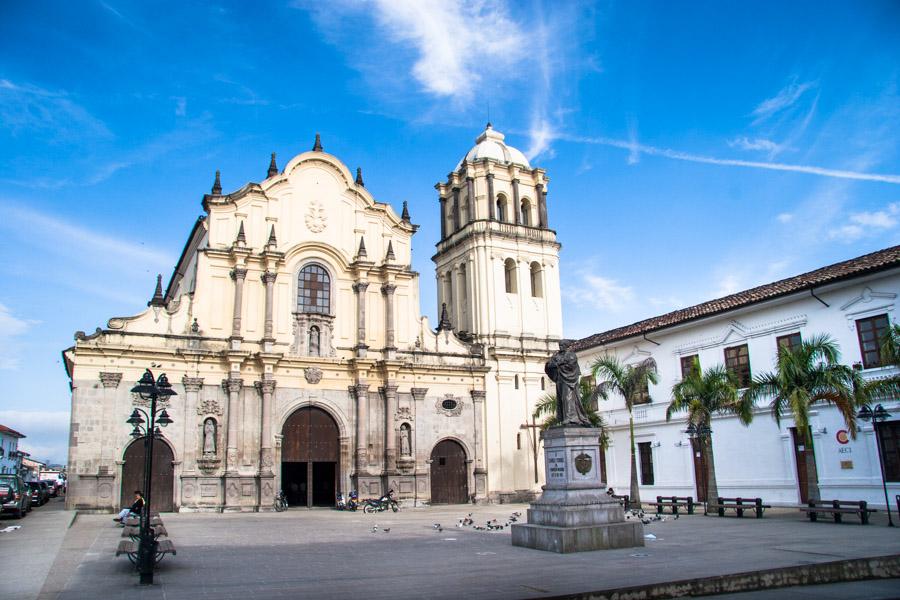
(694, 149)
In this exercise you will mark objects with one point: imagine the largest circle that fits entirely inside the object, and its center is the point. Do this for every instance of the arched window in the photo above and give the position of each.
(510, 276)
(537, 285)
(501, 209)
(314, 290)
(526, 212)
(315, 339)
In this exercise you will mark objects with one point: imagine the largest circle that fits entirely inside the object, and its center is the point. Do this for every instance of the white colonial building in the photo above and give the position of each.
(291, 331)
(853, 301)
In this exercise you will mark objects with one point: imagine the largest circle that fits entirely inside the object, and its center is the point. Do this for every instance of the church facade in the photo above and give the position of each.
(291, 332)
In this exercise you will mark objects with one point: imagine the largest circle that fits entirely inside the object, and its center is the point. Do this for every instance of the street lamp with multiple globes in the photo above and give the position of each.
(146, 424)
(700, 433)
(877, 416)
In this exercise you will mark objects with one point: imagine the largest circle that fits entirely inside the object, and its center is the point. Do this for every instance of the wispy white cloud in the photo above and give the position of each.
(598, 292)
(785, 217)
(180, 105)
(711, 160)
(866, 224)
(11, 327)
(32, 110)
(634, 154)
(784, 99)
(745, 143)
(454, 42)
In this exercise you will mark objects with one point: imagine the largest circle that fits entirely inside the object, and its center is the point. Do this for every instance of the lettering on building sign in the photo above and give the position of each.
(556, 467)
(845, 450)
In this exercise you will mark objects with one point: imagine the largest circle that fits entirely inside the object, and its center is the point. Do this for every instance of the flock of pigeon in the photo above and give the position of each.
(467, 521)
(646, 519)
(492, 525)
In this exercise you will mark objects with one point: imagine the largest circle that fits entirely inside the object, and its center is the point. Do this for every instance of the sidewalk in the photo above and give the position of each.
(330, 554)
(29, 551)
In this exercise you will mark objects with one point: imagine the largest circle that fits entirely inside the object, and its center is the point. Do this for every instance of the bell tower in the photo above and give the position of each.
(497, 268)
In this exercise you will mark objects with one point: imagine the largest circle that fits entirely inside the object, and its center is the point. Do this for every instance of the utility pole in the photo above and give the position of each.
(534, 443)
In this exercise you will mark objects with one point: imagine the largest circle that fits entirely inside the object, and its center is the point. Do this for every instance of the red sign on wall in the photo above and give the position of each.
(841, 436)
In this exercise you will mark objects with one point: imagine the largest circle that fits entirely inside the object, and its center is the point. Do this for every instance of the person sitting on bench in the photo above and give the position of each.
(135, 509)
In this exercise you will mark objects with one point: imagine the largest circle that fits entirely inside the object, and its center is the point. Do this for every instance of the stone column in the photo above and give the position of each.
(192, 387)
(266, 388)
(361, 392)
(455, 209)
(490, 199)
(443, 218)
(542, 205)
(470, 192)
(388, 290)
(359, 288)
(233, 384)
(390, 439)
(517, 205)
(238, 274)
(479, 435)
(268, 278)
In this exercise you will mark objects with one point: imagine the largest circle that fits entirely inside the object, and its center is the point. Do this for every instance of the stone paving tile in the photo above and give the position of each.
(328, 554)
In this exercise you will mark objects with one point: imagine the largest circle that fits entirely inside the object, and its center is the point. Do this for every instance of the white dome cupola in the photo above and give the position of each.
(490, 145)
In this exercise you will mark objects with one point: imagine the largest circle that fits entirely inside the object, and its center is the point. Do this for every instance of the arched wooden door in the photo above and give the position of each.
(310, 458)
(163, 481)
(449, 479)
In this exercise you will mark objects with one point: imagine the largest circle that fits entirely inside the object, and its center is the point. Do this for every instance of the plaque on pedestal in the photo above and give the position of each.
(574, 513)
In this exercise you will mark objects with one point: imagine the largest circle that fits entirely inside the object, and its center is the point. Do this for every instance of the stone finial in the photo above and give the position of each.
(272, 241)
(488, 126)
(404, 216)
(444, 324)
(241, 236)
(217, 185)
(317, 147)
(359, 179)
(361, 253)
(273, 168)
(158, 299)
(390, 252)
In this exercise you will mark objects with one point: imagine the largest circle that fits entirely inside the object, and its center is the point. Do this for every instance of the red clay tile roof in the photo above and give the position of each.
(855, 267)
(7, 430)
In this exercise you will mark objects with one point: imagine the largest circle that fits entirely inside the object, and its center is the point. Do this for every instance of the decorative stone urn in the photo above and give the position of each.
(574, 513)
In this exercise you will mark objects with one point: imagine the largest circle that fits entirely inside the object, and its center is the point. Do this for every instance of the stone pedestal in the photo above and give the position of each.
(574, 512)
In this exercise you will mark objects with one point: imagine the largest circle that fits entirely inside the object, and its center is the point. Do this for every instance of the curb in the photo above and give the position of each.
(72, 520)
(855, 569)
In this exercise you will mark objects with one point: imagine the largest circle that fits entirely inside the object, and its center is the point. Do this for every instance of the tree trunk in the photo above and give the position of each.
(812, 475)
(634, 495)
(712, 488)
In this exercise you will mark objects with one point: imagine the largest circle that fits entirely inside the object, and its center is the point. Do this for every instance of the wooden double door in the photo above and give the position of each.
(449, 476)
(310, 458)
(162, 492)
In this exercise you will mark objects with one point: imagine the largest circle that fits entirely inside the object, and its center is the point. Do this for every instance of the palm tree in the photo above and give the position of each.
(631, 382)
(808, 374)
(702, 394)
(546, 408)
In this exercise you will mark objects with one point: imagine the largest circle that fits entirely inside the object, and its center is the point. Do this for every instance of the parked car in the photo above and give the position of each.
(14, 495)
(40, 495)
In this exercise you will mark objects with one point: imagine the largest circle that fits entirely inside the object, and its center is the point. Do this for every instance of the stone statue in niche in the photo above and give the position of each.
(405, 443)
(209, 436)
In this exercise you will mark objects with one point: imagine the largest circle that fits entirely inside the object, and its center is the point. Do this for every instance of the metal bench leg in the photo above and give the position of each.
(759, 508)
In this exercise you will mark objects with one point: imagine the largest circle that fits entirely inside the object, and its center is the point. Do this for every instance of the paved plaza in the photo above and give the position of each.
(330, 554)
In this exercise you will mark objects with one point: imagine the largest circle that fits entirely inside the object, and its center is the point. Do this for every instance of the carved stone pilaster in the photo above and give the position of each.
(388, 290)
(110, 380)
(268, 278)
(361, 392)
(390, 426)
(470, 192)
(491, 200)
(359, 288)
(266, 388)
(233, 384)
(192, 384)
(517, 204)
(238, 274)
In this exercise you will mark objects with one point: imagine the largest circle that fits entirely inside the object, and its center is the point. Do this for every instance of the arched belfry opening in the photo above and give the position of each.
(163, 480)
(310, 458)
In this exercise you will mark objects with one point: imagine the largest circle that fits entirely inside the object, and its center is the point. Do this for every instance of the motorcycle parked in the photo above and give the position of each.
(350, 503)
(382, 504)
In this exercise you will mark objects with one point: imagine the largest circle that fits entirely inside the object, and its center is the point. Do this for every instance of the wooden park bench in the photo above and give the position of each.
(739, 505)
(673, 503)
(130, 549)
(837, 509)
(135, 531)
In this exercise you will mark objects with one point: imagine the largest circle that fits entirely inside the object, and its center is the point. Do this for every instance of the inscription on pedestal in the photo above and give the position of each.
(556, 467)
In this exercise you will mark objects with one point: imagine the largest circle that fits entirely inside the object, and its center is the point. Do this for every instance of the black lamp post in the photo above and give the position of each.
(700, 433)
(147, 424)
(877, 416)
